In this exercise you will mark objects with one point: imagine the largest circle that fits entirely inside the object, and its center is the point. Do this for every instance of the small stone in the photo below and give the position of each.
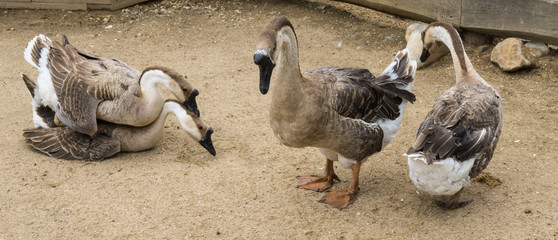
(539, 49)
(511, 55)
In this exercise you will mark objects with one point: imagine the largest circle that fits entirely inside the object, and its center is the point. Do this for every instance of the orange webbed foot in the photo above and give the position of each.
(316, 183)
(339, 199)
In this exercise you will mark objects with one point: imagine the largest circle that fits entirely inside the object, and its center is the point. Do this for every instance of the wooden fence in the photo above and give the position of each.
(530, 19)
(68, 4)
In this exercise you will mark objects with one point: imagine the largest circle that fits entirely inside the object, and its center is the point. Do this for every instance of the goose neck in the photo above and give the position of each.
(288, 88)
(150, 79)
(464, 69)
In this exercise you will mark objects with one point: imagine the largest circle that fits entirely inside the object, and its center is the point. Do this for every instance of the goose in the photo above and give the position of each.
(82, 88)
(346, 113)
(459, 135)
(66, 143)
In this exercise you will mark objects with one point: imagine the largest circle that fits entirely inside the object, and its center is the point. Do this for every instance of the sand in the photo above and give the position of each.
(179, 191)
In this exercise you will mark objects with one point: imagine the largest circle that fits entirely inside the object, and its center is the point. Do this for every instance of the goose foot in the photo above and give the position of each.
(319, 184)
(316, 183)
(451, 202)
(339, 199)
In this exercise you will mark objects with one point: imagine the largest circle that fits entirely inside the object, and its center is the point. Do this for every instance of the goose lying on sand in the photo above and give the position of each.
(82, 88)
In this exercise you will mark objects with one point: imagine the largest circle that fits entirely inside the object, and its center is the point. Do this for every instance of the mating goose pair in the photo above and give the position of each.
(349, 115)
(78, 97)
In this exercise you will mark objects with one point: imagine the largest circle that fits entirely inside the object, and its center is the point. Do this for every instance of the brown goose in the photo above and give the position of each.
(66, 143)
(344, 112)
(459, 135)
(82, 88)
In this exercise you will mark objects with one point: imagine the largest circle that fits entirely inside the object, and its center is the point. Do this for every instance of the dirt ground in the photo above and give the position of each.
(179, 191)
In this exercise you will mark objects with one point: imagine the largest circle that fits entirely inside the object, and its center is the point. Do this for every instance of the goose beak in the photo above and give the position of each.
(266, 65)
(191, 104)
(207, 143)
(425, 54)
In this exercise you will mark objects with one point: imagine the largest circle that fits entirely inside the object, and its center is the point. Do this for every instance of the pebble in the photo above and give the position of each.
(539, 49)
(511, 55)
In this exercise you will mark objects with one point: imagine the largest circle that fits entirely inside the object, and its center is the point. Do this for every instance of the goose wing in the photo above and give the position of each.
(462, 126)
(81, 81)
(65, 143)
(355, 93)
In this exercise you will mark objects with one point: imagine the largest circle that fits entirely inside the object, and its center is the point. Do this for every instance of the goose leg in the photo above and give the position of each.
(454, 201)
(316, 183)
(343, 198)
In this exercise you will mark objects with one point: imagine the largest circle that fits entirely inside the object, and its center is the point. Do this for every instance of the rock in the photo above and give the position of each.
(413, 38)
(539, 49)
(511, 55)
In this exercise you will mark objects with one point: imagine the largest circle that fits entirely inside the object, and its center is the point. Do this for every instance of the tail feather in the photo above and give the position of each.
(398, 76)
(30, 84)
(34, 48)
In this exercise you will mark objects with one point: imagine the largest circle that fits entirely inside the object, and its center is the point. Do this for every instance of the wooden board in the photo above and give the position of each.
(69, 4)
(427, 10)
(116, 4)
(532, 19)
(36, 5)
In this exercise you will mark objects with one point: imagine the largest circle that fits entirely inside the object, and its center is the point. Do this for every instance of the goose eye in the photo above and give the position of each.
(185, 90)
(200, 128)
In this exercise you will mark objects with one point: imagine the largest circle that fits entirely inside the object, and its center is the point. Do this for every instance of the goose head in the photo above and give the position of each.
(270, 43)
(439, 33)
(177, 85)
(194, 126)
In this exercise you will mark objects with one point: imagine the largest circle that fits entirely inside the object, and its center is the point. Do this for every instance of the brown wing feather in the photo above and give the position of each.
(463, 123)
(77, 109)
(65, 143)
(355, 93)
(82, 80)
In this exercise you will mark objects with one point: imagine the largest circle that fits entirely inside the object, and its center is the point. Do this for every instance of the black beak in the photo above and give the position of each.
(207, 143)
(191, 104)
(266, 68)
(425, 54)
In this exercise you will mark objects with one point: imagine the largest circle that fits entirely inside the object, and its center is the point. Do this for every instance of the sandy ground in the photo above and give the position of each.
(177, 190)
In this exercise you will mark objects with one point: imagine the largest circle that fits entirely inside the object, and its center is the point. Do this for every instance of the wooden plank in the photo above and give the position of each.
(116, 4)
(75, 1)
(533, 19)
(427, 11)
(16, 1)
(35, 5)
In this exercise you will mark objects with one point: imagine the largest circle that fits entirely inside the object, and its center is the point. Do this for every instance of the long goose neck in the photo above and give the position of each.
(149, 81)
(186, 120)
(141, 138)
(464, 70)
(287, 91)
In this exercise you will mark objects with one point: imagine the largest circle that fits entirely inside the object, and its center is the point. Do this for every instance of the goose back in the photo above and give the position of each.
(465, 122)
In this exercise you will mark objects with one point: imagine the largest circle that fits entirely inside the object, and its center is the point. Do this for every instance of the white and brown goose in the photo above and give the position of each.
(459, 135)
(82, 88)
(346, 113)
(66, 143)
